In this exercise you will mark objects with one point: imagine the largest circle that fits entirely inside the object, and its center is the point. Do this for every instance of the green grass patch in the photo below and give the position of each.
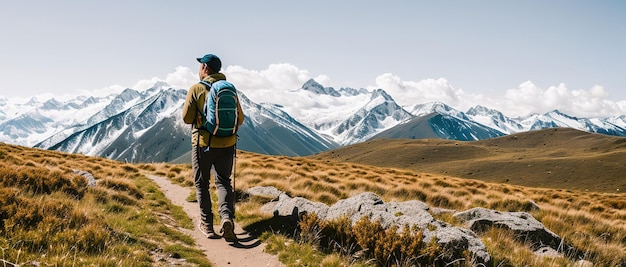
(48, 215)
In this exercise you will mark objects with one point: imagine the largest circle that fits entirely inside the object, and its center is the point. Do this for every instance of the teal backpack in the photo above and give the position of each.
(220, 109)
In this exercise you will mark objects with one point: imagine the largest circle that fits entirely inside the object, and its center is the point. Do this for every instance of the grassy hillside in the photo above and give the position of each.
(555, 158)
(128, 214)
(49, 215)
(594, 222)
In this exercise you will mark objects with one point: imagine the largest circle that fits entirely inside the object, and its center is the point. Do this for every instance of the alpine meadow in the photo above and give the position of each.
(52, 214)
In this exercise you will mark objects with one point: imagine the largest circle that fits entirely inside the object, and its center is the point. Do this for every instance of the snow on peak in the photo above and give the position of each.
(313, 86)
(52, 104)
(435, 107)
(347, 91)
(381, 93)
(481, 110)
(157, 87)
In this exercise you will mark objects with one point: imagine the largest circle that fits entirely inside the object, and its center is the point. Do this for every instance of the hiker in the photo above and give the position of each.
(210, 150)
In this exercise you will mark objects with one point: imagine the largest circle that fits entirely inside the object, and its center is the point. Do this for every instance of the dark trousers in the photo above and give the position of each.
(221, 159)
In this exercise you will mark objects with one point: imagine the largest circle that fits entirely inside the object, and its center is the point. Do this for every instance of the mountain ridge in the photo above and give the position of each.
(315, 119)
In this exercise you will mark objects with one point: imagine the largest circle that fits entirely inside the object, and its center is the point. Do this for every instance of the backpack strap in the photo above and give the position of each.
(208, 87)
(207, 84)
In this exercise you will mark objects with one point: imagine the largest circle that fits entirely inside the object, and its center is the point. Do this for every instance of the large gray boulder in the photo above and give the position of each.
(524, 225)
(412, 213)
(286, 206)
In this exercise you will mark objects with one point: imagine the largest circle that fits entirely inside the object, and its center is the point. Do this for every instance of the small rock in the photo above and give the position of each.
(548, 252)
(91, 181)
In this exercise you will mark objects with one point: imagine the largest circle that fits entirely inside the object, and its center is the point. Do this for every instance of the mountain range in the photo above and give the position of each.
(146, 126)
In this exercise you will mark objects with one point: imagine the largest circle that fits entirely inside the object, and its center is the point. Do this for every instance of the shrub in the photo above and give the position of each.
(42, 181)
(122, 185)
(368, 239)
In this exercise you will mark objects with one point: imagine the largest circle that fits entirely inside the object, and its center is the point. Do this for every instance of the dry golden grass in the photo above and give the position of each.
(591, 221)
(554, 158)
(594, 222)
(586, 211)
(49, 216)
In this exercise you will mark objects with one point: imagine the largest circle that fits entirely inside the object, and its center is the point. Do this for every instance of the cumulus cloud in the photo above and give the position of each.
(408, 93)
(527, 98)
(259, 85)
(182, 77)
(101, 92)
(273, 84)
(267, 85)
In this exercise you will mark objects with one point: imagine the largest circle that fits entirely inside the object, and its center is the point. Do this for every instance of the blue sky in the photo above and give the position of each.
(516, 56)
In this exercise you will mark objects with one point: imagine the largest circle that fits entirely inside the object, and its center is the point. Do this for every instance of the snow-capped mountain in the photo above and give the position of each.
(619, 121)
(435, 107)
(348, 115)
(494, 119)
(146, 126)
(114, 136)
(555, 118)
(114, 106)
(438, 120)
(29, 123)
(270, 130)
(381, 112)
(322, 108)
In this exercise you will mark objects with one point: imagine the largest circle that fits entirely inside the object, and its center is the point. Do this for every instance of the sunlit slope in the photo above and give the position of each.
(555, 158)
(59, 209)
(592, 221)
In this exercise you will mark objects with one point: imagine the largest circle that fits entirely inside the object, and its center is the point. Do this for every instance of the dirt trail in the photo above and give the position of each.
(249, 251)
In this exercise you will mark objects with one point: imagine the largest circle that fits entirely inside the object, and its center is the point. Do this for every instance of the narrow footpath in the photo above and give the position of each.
(249, 251)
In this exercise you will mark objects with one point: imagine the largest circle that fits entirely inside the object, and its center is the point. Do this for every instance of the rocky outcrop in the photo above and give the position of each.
(415, 213)
(525, 227)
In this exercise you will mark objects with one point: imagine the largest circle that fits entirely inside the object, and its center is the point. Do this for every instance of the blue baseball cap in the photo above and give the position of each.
(212, 61)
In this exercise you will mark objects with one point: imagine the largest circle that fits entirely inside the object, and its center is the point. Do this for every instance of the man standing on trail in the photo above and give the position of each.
(212, 150)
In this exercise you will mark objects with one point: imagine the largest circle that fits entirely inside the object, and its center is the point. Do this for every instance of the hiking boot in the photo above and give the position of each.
(228, 231)
(207, 230)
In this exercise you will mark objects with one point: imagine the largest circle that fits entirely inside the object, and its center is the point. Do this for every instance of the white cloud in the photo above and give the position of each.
(182, 78)
(101, 92)
(591, 103)
(277, 76)
(408, 93)
(268, 85)
(260, 86)
(525, 99)
(145, 84)
(273, 84)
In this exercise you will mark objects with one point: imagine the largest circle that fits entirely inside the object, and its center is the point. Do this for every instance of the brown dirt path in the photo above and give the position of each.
(249, 251)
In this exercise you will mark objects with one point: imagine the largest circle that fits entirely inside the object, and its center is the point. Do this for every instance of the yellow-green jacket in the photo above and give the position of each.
(193, 108)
